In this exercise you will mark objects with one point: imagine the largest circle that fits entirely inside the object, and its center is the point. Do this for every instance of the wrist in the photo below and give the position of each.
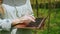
(17, 21)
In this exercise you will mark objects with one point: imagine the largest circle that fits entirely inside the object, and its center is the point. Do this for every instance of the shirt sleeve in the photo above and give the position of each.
(25, 9)
(5, 24)
(29, 8)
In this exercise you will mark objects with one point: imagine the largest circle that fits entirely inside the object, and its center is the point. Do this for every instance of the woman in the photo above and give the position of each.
(13, 12)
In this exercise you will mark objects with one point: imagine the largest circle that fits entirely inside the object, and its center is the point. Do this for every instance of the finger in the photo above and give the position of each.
(27, 21)
(30, 16)
(31, 19)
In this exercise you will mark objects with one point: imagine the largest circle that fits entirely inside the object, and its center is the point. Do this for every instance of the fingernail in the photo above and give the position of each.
(34, 21)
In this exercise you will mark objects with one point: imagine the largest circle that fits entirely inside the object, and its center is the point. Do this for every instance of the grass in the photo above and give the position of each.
(54, 26)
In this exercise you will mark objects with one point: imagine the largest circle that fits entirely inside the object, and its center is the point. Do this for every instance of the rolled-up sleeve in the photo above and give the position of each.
(29, 7)
(5, 24)
(25, 9)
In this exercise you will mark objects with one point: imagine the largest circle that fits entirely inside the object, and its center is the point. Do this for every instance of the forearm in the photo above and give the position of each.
(17, 21)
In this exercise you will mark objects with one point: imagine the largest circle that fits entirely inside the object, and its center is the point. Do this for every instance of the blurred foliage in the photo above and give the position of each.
(54, 25)
(43, 1)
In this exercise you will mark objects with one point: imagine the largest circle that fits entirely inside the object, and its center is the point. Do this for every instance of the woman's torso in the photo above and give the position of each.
(13, 12)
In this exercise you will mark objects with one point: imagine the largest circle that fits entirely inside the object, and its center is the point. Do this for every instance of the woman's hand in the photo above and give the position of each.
(25, 19)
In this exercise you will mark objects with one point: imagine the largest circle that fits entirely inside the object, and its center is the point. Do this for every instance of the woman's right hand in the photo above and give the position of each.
(25, 19)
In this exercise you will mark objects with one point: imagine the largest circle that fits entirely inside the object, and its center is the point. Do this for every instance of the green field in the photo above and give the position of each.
(54, 25)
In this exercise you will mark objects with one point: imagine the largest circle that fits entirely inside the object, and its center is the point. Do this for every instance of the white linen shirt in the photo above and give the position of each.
(14, 9)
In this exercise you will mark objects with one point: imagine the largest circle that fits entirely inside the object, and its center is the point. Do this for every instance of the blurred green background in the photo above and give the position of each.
(52, 9)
